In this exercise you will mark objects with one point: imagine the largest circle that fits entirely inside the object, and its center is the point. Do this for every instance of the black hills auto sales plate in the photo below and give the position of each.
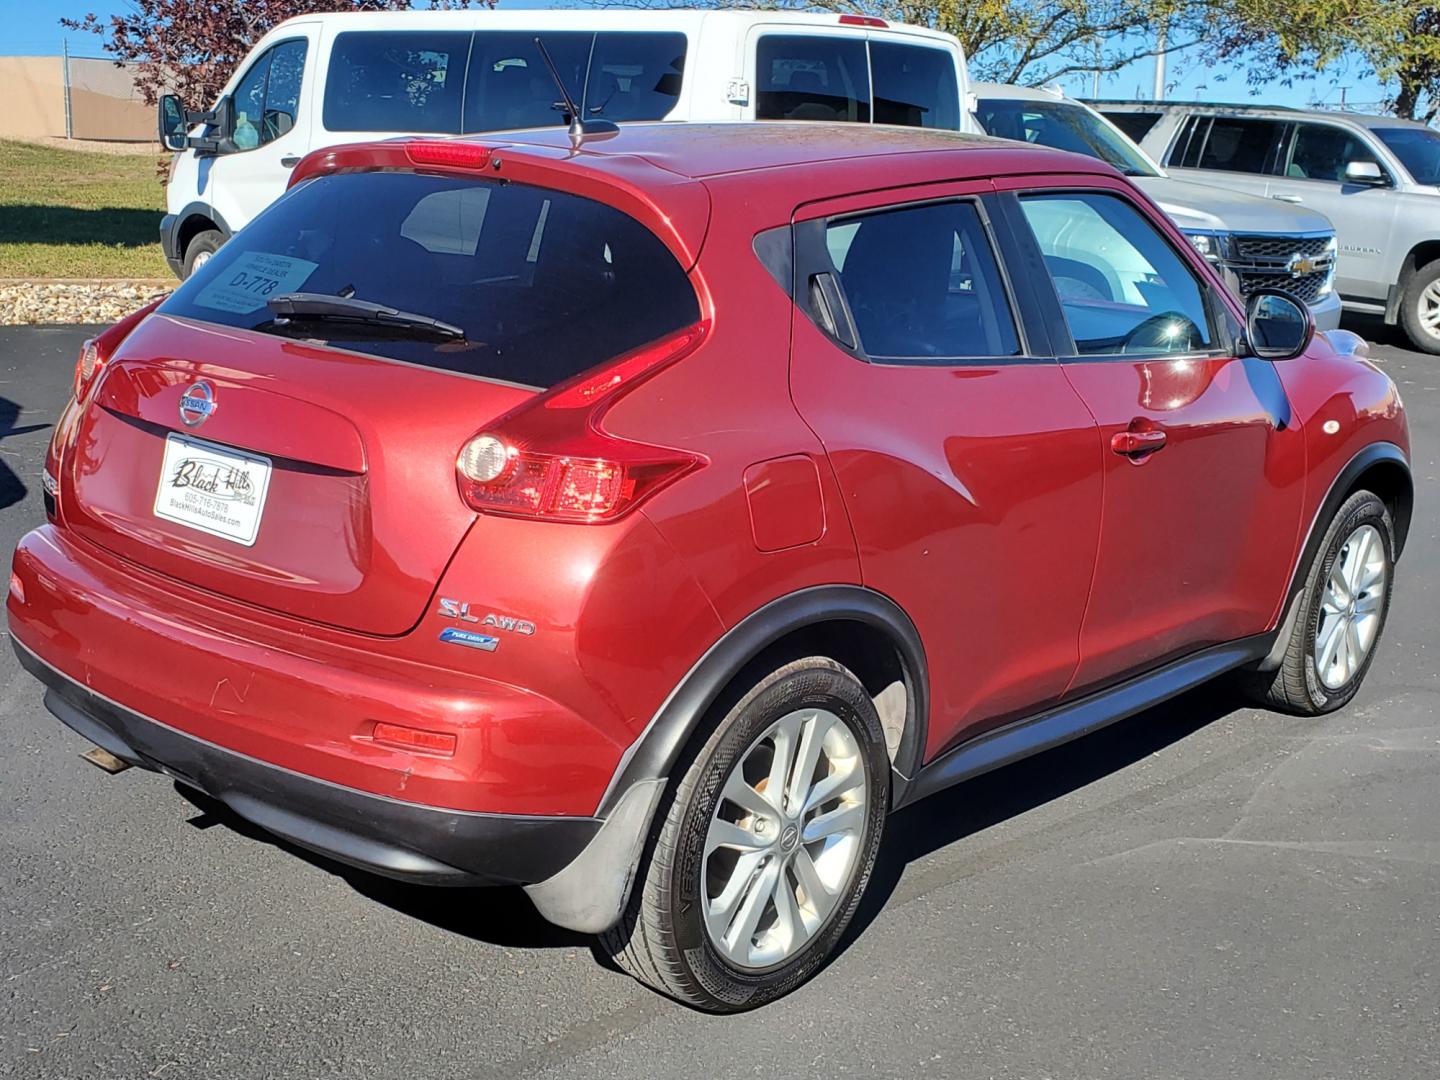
(212, 488)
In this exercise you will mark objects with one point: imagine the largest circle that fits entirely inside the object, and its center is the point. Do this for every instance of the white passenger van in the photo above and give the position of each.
(320, 80)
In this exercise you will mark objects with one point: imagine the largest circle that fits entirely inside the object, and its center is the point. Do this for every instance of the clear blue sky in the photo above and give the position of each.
(31, 27)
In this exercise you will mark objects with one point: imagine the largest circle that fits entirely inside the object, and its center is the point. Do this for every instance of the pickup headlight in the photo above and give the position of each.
(1215, 246)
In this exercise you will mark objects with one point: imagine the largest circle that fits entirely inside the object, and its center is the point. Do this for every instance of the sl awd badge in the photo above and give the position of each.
(460, 611)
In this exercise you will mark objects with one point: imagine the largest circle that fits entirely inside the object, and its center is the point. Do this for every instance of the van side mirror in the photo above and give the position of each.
(1365, 172)
(1277, 325)
(172, 123)
(176, 122)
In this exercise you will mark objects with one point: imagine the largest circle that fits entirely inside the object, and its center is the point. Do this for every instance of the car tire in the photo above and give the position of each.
(202, 245)
(693, 890)
(1420, 308)
(1346, 593)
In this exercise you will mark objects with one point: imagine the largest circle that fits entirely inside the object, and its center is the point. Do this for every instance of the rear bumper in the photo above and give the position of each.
(382, 835)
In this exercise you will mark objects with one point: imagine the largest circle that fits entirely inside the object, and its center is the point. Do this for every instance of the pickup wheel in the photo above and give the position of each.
(1420, 308)
(759, 859)
(1342, 612)
(202, 245)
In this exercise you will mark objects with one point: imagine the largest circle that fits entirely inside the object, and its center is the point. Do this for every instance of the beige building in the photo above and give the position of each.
(79, 98)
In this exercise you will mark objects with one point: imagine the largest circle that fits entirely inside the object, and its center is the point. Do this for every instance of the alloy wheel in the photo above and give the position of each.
(784, 838)
(1429, 309)
(1350, 608)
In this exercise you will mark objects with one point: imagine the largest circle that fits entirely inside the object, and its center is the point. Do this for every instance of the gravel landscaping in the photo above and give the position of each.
(28, 303)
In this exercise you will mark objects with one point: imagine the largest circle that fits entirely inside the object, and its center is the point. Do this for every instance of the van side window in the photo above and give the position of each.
(810, 77)
(634, 76)
(268, 96)
(914, 86)
(1321, 152)
(1123, 289)
(404, 80)
(923, 284)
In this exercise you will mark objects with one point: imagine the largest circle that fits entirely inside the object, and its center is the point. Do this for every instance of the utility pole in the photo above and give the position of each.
(69, 123)
(1159, 92)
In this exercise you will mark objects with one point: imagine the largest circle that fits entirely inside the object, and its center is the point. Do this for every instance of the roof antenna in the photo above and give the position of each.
(578, 126)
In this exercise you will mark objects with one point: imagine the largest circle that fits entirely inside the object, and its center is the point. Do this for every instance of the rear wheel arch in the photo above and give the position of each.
(859, 628)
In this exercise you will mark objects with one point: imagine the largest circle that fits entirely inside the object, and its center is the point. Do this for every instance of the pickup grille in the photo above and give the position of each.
(1279, 248)
(1264, 262)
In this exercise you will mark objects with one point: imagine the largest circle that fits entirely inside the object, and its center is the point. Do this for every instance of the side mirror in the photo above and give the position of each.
(1277, 325)
(176, 122)
(173, 129)
(1365, 172)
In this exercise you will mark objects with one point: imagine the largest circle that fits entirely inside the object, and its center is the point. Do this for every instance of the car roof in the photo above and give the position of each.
(1369, 120)
(689, 20)
(698, 151)
(1019, 93)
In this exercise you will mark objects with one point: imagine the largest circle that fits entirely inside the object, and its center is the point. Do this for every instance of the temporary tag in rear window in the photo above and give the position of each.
(251, 279)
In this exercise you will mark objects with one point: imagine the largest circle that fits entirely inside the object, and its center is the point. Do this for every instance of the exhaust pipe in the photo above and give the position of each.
(103, 759)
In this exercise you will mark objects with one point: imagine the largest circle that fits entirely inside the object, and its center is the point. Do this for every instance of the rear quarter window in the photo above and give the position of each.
(544, 284)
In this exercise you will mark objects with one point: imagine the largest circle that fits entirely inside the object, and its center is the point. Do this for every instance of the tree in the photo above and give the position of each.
(1398, 41)
(191, 47)
(1032, 41)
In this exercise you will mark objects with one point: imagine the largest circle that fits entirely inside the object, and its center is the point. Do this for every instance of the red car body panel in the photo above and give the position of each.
(984, 500)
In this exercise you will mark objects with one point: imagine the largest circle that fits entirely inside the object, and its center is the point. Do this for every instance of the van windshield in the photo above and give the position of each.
(1062, 126)
(453, 81)
(518, 283)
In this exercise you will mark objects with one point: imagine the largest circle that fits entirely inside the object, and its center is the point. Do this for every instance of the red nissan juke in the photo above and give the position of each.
(642, 519)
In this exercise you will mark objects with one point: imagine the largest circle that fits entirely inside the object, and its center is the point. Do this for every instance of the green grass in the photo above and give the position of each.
(79, 214)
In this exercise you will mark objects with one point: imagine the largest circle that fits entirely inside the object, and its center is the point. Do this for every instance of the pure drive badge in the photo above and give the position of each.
(469, 638)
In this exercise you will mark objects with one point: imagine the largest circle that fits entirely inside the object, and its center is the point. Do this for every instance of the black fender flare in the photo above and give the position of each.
(1378, 453)
(655, 753)
(176, 222)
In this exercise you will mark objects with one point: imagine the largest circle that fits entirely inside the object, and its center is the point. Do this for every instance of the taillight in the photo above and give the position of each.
(97, 351)
(551, 458)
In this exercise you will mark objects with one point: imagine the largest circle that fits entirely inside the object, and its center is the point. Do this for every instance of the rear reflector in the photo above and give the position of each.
(458, 155)
(430, 742)
(863, 20)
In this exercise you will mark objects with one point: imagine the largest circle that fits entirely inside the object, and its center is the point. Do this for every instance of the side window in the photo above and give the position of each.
(914, 86)
(282, 93)
(408, 80)
(1237, 144)
(249, 102)
(509, 86)
(1135, 124)
(1322, 151)
(923, 284)
(1190, 141)
(810, 77)
(635, 76)
(1122, 287)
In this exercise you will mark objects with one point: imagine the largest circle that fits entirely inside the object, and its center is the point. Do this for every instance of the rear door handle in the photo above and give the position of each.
(1133, 444)
(293, 160)
(1288, 198)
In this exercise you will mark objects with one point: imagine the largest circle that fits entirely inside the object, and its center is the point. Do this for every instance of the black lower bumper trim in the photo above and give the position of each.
(385, 836)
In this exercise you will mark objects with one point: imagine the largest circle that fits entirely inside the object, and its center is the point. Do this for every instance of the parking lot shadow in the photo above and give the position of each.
(111, 226)
(12, 488)
(505, 916)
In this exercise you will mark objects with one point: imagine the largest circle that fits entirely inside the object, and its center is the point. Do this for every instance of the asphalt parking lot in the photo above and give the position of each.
(1203, 891)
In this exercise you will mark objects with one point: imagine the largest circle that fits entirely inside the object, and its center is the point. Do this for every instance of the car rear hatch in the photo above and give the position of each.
(308, 467)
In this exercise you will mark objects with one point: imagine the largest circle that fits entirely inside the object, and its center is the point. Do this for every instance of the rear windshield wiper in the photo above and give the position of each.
(321, 306)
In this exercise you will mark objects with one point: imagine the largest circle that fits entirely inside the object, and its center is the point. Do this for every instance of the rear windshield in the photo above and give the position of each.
(454, 81)
(544, 284)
